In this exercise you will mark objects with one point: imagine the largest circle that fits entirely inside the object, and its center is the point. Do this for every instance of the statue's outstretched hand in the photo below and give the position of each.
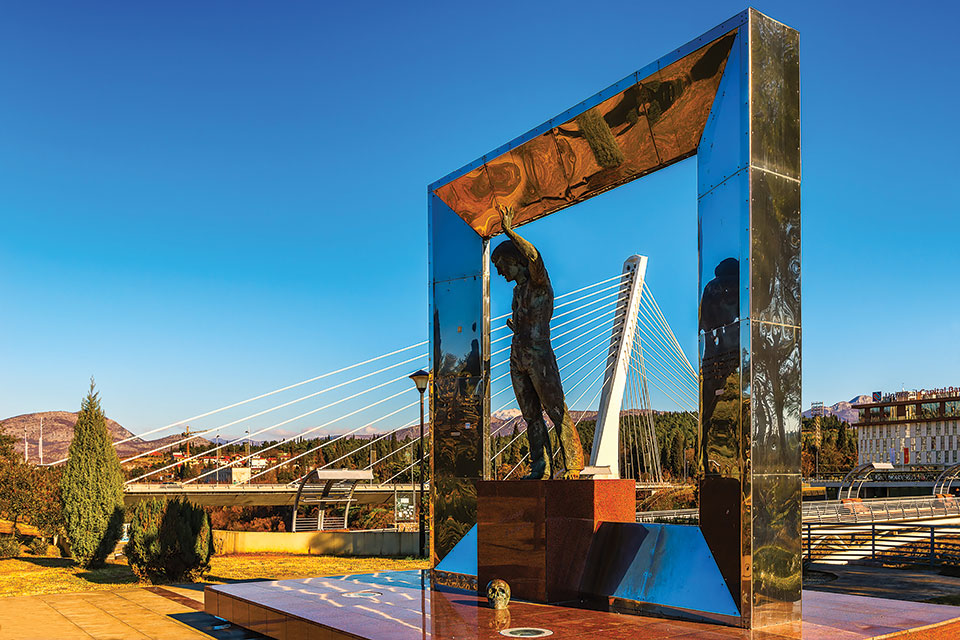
(506, 216)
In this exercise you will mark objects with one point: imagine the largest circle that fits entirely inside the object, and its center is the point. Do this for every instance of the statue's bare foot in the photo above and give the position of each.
(573, 474)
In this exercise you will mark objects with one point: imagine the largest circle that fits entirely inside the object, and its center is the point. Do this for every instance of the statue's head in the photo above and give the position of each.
(509, 262)
(728, 268)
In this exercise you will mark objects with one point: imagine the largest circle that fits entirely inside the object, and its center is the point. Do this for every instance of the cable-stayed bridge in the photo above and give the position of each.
(611, 339)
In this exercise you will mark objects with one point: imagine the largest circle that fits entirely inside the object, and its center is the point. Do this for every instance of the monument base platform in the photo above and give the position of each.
(400, 605)
(536, 534)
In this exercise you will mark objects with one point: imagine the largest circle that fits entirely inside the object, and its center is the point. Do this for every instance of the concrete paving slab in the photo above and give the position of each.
(916, 585)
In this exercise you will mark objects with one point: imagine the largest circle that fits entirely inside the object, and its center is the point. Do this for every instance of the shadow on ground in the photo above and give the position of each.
(917, 584)
(221, 579)
(215, 627)
(49, 563)
(119, 574)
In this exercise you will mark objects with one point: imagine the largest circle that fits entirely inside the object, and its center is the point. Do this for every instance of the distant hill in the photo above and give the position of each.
(843, 410)
(58, 434)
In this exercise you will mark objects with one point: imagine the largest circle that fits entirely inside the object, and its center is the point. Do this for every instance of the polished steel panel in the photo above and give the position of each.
(775, 106)
(721, 213)
(725, 98)
(774, 317)
(776, 404)
(639, 563)
(454, 245)
(725, 145)
(471, 196)
(607, 145)
(460, 368)
(776, 549)
(622, 133)
(680, 95)
(775, 252)
(720, 413)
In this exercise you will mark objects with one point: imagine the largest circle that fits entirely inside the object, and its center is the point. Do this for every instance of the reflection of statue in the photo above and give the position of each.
(719, 310)
(533, 365)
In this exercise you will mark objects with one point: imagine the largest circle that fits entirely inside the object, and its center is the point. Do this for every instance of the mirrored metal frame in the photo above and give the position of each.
(731, 97)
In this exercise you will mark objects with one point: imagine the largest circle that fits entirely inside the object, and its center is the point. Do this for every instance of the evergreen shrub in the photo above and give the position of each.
(170, 541)
(9, 547)
(38, 546)
(92, 487)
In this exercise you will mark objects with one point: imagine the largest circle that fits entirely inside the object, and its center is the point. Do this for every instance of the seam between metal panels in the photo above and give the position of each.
(779, 175)
(776, 324)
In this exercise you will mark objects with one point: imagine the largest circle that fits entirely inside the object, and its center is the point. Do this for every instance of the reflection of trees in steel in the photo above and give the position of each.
(456, 414)
(776, 392)
(776, 547)
(720, 370)
(598, 149)
(776, 249)
(454, 512)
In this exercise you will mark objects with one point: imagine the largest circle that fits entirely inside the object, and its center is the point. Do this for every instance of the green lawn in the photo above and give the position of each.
(32, 576)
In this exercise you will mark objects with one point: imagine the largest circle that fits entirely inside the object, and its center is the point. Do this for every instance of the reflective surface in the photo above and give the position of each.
(749, 224)
(725, 145)
(776, 404)
(410, 609)
(647, 569)
(775, 108)
(723, 448)
(721, 213)
(725, 100)
(776, 548)
(776, 248)
(460, 366)
(654, 122)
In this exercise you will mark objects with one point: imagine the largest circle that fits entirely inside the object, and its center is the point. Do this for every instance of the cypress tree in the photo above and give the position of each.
(92, 487)
(676, 455)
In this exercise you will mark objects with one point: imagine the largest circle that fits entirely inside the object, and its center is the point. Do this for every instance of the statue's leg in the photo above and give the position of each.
(532, 412)
(546, 381)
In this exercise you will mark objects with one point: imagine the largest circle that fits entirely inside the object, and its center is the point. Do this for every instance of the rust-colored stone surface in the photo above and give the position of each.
(406, 608)
(535, 535)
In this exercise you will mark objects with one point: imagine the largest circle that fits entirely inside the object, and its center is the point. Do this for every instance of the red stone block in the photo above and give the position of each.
(536, 534)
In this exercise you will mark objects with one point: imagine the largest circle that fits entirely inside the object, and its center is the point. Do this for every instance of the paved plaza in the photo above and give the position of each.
(158, 613)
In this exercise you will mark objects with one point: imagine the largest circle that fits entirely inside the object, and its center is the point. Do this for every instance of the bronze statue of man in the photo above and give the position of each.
(533, 365)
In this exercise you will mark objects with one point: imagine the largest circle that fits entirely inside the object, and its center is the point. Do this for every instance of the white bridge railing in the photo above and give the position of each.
(884, 510)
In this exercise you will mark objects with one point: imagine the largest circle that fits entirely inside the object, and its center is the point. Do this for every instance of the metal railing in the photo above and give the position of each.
(886, 510)
(684, 516)
(886, 544)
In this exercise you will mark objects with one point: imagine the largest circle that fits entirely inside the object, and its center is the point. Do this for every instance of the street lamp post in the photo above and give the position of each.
(420, 379)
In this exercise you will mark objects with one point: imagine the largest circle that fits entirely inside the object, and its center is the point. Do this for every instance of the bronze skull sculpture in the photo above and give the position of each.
(498, 594)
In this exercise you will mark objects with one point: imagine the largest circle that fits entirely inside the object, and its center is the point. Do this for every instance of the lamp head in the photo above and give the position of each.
(420, 378)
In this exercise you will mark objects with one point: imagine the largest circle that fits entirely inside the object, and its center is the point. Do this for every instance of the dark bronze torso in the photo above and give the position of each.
(532, 309)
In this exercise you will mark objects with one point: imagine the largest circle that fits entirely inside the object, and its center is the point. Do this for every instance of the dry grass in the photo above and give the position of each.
(36, 576)
(280, 566)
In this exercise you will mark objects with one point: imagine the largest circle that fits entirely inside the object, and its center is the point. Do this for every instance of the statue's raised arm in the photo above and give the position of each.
(527, 250)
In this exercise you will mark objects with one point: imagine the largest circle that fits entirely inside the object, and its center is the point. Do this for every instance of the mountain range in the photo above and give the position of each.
(58, 434)
(842, 410)
(58, 430)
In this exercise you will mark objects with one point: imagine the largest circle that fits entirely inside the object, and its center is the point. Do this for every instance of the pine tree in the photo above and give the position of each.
(92, 487)
(515, 453)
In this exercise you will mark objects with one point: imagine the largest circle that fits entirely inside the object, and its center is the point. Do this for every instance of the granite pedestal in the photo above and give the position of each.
(536, 535)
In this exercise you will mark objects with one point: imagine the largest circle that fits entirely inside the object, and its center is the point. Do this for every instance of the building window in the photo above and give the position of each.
(929, 409)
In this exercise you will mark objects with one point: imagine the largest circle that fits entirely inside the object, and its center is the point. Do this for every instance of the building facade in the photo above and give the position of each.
(910, 428)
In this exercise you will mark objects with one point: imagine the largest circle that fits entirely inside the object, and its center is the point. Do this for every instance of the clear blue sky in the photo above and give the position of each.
(206, 200)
